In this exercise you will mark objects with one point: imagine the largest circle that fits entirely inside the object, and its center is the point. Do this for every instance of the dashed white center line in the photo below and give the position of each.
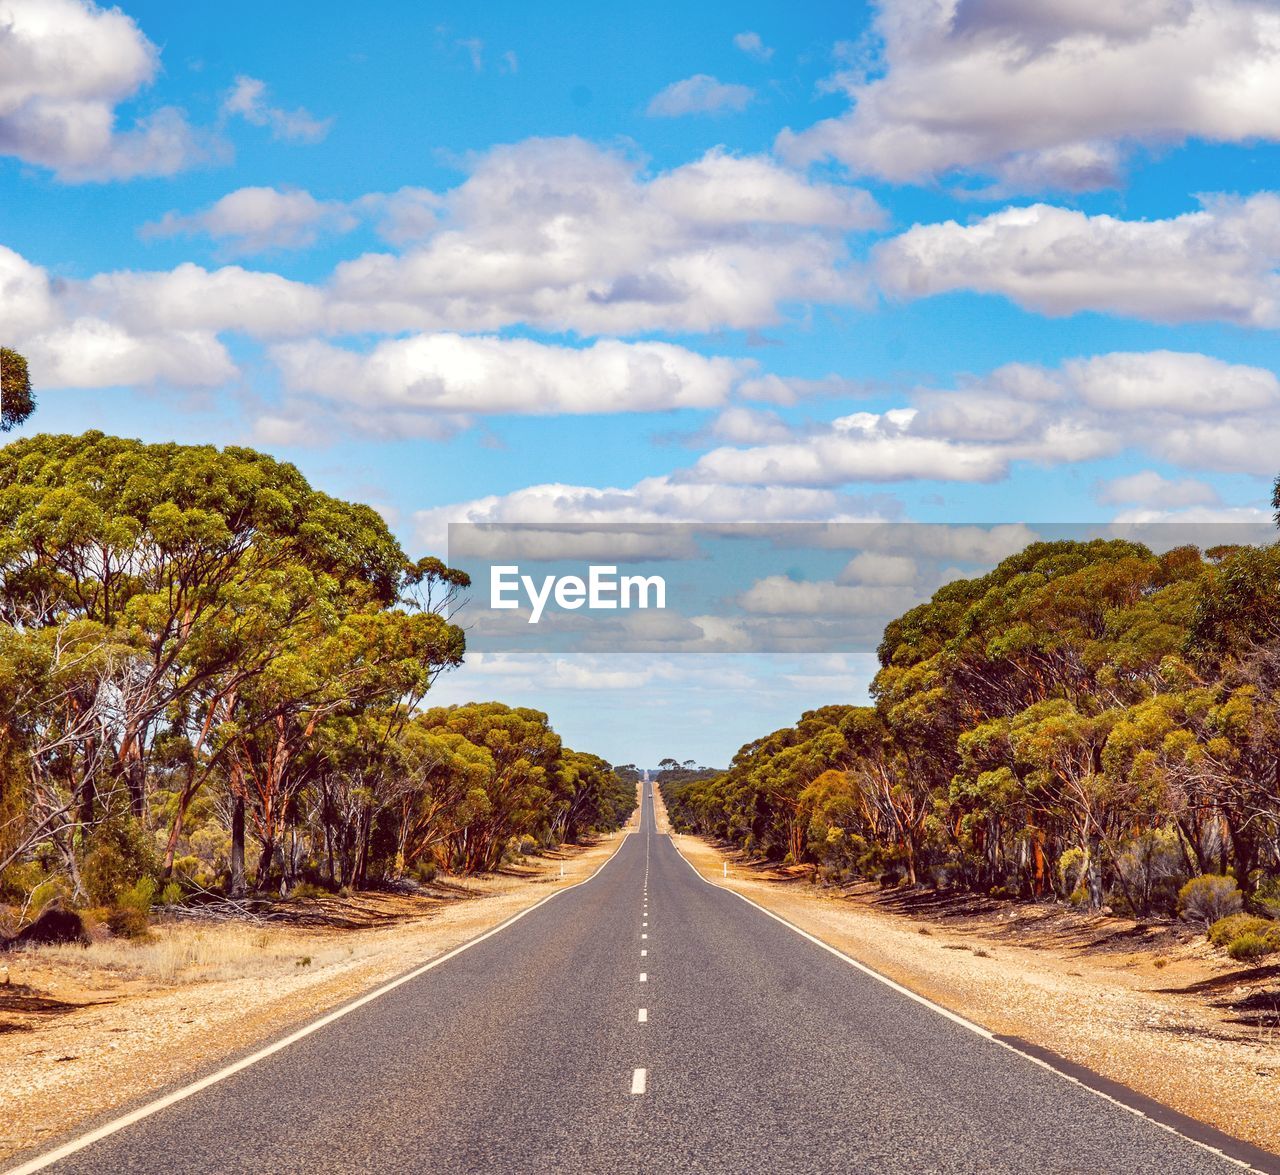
(638, 1079)
(643, 1018)
(643, 953)
(644, 977)
(644, 936)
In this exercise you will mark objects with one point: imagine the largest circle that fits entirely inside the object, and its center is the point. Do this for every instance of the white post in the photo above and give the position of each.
(561, 870)
(726, 869)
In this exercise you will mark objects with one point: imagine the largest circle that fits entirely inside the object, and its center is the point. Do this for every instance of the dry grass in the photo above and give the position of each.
(182, 953)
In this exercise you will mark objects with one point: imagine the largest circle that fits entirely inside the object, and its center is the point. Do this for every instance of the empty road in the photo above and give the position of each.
(645, 1021)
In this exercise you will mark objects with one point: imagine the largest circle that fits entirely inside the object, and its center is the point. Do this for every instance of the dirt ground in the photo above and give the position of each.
(86, 1030)
(1154, 1007)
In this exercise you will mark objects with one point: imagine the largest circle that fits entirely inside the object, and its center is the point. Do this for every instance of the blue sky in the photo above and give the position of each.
(966, 261)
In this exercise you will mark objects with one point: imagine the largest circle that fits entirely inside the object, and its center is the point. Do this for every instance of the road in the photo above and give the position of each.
(645, 1021)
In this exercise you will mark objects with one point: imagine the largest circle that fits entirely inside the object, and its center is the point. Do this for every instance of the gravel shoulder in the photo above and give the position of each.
(1156, 1009)
(86, 1031)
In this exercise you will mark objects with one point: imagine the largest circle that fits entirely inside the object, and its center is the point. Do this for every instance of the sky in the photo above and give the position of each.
(920, 261)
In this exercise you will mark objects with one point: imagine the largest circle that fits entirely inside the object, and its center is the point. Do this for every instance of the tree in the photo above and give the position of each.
(17, 402)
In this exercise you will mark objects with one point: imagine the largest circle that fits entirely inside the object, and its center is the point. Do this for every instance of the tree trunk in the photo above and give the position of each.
(1093, 870)
(237, 847)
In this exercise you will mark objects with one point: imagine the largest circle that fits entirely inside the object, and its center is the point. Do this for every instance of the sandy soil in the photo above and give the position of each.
(1156, 1008)
(84, 1031)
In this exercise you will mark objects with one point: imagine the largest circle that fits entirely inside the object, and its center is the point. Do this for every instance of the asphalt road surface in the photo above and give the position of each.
(645, 1021)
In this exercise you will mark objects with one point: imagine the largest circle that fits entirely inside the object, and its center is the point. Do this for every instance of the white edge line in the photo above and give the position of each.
(956, 1018)
(40, 1162)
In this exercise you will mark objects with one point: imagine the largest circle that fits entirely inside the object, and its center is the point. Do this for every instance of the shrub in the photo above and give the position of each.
(305, 889)
(1224, 930)
(128, 922)
(1249, 946)
(1208, 898)
(171, 895)
(426, 871)
(119, 856)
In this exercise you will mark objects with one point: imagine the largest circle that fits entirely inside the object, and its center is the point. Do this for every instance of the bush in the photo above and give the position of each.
(171, 895)
(427, 870)
(129, 922)
(119, 856)
(306, 889)
(1224, 930)
(1208, 898)
(1248, 946)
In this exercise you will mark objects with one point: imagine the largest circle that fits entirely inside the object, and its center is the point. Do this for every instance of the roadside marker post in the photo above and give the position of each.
(726, 868)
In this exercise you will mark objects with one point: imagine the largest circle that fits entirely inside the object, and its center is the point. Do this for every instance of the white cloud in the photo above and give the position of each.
(90, 353)
(752, 45)
(555, 235)
(776, 595)
(726, 190)
(561, 235)
(1150, 488)
(469, 374)
(877, 569)
(190, 297)
(247, 99)
(1190, 409)
(749, 426)
(68, 347)
(1216, 263)
(250, 220)
(65, 65)
(700, 94)
(654, 499)
(1051, 94)
(862, 447)
(1172, 381)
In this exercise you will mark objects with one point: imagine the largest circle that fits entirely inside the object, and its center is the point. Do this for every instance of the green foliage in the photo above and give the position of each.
(1224, 930)
(1210, 898)
(171, 894)
(120, 859)
(129, 921)
(17, 402)
(1249, 946)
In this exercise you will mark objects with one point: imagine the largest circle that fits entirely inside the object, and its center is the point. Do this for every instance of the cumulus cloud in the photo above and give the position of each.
(654, 499)
(862, 447)
(469, 374)
(752, 45)
(749, 426)
(1217, 263)
(554, 235)
(779, 596)
(69, 348)
(1190, 409)
(700, 94)
(561, 235)
(190, 297)
(251, 220)
(247, 99)
(65, 66)
(1056, 94)
(1150, 488)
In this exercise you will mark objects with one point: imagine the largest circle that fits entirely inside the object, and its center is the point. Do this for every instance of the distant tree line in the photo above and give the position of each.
(212, 675)
(1088, 721)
